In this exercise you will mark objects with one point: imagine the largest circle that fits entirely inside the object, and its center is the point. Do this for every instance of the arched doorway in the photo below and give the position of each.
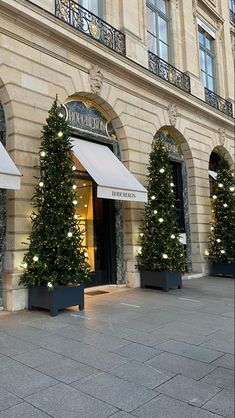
(2, 205)
(179, 176)
(103, 182)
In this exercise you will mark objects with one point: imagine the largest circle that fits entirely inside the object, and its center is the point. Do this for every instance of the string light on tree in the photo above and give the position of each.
(43, 154)
(225, 205)
(73, 168)
(75, 202)
(172, 236)
(160, 220)
(162, 170)
(222, 252)
(41, 184)
(35, 258)
(60, 134)
(218, 240)
(165, 256)
(70, 234)
(153, 197)
(74, 186)
(231, 188)
(220, 185)
(155, 211)
(214, 196)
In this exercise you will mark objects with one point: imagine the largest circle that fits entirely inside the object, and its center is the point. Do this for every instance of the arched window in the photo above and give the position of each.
(2, 204)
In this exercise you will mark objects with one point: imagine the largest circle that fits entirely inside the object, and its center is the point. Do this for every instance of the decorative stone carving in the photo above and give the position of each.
(96, 79)
(219, 29)
(222, 135)
(172, 114)
(194, 11)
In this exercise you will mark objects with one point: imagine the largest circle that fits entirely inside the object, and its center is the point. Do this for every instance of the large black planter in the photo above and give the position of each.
(162, 279)
(223, 269)
(58, 298)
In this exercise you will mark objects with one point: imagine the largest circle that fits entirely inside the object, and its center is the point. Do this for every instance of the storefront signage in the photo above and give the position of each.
(86, 116)
(173, 149)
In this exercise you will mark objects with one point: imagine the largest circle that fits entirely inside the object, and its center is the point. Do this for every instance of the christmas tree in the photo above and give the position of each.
(160, 247)
(55, 256)
(222, 235)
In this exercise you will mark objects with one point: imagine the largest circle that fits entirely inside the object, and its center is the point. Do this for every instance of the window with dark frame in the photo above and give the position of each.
(207, 59)
(158, 28)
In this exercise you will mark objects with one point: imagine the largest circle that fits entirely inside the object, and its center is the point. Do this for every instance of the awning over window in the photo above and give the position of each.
(9, 173)
(213, 174)
(113, 179)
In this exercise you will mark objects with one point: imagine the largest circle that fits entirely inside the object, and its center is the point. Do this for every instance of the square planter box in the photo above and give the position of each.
(162, 279)
(58, 298)
(223, 269)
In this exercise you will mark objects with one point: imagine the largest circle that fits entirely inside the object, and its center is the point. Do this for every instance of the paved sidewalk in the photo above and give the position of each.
(131, 353)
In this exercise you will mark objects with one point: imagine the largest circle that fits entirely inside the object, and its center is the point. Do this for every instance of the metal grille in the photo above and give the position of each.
(218, 102)
(90, 24)
(169, 73)
(2, 205)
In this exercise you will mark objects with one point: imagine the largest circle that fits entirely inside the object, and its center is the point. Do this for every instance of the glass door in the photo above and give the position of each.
(97, 221)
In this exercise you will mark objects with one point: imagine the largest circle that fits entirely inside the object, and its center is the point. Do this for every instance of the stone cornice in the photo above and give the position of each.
(61, 33)
(211, 9)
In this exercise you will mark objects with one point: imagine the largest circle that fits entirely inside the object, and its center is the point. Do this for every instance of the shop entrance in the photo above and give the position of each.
(97, 221)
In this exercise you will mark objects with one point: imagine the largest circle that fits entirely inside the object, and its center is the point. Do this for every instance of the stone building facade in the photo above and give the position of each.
(157, 67)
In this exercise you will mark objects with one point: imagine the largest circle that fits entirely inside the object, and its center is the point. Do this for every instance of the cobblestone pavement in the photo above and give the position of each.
(131, 353)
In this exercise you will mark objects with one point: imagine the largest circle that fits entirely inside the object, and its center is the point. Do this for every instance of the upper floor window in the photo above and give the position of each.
(232, 5)
(207, 58)
(158, 28)
(94, 6)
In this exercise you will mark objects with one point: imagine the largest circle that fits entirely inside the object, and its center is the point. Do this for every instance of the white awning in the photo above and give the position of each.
(213, 174)
(9, 173)
(113, 179)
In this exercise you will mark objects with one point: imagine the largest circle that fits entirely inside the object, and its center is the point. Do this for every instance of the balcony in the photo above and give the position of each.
(168, 73)
(83, 20)
(218, 102)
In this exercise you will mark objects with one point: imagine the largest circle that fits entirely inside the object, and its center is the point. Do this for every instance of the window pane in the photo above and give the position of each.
(151, 26)
(91, 5)
(204, 78)
(163, 51)
(162, 29)
(161, 5)
(152, 43)
(209, 65)
(200, 38)
(210, 83)
(208, 43)
(202, 60)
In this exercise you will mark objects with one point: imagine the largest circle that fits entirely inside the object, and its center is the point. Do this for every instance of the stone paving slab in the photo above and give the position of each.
(22, 380)
(12, 346)
(23, 410)
(63, 401)
(191, 351)
(106, 342)
(142, 374)
(138, 352)
(226, 361)
(164, 407)
(219, 345)
(223, 378)
(181, 365)
(122, 415)
(222, 403)
(67, 370)
(37, 357)
(7, 399)
(188, 390)
(115, 391)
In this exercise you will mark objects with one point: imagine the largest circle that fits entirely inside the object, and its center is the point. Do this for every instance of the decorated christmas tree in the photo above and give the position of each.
(55, 256)
(222, 235)
(160, 248)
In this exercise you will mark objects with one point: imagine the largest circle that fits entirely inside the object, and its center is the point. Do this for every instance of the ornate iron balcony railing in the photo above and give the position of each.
(232, 17)
(169, 73)
(218, 102)
(90, 24)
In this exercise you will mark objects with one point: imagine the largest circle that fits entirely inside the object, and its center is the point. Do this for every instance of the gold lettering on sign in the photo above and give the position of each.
(86, 121)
